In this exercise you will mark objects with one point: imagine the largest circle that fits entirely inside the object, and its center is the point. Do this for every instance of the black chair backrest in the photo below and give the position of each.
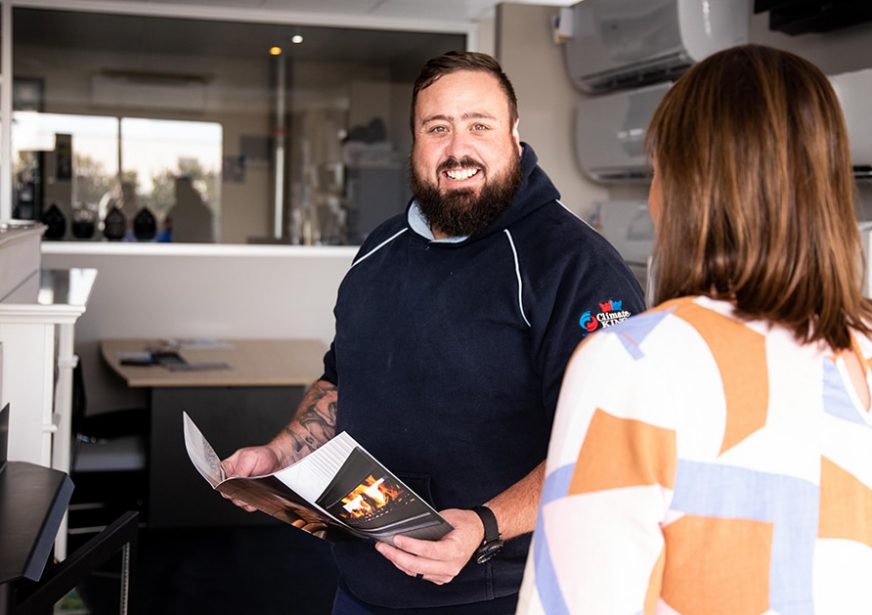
(79, 400)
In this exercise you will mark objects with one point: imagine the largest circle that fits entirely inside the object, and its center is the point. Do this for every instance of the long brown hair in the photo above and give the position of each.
(758, 195)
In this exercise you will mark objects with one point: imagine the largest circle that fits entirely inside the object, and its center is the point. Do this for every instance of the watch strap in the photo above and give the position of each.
(491, 543)
(489, 521)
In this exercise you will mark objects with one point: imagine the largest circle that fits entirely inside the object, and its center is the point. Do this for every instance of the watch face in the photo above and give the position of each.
(487, 551)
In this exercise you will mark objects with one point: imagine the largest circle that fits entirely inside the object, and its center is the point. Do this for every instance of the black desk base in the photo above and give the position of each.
(230, 418)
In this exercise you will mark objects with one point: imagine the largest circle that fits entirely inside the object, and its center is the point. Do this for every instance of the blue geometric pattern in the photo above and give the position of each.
(790, 504)
(556, 486)
(633, 331)
(837, 401)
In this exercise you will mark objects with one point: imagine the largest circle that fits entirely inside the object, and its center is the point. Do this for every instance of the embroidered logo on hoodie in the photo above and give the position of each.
(610, 313)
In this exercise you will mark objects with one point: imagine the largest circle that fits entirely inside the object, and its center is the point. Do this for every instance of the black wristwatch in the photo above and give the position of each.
(491, 543)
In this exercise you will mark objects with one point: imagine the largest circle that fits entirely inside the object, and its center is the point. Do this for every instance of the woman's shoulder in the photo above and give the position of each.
(681, 327)
(699, 312)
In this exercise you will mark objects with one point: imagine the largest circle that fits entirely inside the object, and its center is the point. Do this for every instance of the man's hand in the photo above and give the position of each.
(313, 424)
(250, 461)
(441, 560)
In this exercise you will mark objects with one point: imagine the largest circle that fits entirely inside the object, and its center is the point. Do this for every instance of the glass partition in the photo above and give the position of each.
(139, 128)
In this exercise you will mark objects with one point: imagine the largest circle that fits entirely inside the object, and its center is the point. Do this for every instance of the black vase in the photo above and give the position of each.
(83, 224)
(55, 222)
(144, 225)
(114, 224)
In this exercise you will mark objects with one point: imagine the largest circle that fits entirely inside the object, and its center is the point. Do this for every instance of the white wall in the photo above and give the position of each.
(197, 291)
(546, 98)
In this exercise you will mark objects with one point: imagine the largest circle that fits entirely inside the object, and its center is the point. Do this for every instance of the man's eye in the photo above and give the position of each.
(438, 129)
(479, 127)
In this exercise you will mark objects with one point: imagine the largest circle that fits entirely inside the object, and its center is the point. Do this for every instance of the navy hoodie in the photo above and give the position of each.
(448, 359)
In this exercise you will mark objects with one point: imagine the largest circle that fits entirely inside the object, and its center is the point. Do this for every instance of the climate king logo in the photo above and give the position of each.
(610, 313)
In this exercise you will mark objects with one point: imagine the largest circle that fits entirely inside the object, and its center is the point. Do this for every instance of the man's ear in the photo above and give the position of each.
(517, 137)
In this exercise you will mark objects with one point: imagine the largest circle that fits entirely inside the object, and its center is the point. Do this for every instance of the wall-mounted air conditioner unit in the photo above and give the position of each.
(610, 133)
(855, 91)
(626, 43)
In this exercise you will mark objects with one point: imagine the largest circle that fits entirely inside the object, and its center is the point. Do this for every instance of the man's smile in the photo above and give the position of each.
(461, 170)
(461, 174)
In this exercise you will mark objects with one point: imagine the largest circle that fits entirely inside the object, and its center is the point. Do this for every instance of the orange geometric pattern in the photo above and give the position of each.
(623, 453)
(846, 505)
(728, 559)
(740, 354)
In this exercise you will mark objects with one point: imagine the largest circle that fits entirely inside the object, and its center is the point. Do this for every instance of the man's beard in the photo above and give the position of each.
(459, 213)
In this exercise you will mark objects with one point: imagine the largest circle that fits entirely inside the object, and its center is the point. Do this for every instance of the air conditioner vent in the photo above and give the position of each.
(638, 75)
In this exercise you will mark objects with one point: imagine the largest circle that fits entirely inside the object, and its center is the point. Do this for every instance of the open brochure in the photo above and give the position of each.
(339, 485)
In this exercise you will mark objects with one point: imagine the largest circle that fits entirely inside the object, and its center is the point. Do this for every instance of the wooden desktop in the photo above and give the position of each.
(243, 404)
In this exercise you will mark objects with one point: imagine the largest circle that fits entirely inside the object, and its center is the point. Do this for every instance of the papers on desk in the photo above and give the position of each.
(135, 358)
(197, 367)
(168, 359)
(196, 343)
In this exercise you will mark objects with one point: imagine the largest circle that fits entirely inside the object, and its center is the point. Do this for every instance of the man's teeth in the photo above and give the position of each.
(460, 174)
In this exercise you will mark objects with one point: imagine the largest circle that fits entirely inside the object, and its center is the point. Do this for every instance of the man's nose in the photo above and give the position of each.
(458, 145)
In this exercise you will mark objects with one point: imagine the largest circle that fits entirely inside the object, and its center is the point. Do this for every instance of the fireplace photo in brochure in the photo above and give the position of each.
(367, 497)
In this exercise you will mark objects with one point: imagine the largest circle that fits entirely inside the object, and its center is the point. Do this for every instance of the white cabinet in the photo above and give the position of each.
(19, 260)
(36, 340)
(36, 333)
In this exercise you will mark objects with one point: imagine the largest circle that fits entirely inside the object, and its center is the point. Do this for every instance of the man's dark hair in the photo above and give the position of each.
(463, 60)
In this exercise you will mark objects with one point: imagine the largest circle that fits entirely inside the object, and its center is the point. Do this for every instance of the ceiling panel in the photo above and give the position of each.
(344, 7)
(423, 10)
(444, 10)
(128, 34)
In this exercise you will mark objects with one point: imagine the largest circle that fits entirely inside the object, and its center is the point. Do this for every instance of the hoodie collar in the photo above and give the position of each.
(419, 224)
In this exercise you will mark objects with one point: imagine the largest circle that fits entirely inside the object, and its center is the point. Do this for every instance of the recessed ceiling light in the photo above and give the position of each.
(275, 51)
(297, 39)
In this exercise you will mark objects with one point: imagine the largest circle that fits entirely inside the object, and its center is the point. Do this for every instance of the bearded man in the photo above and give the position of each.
(453, 328)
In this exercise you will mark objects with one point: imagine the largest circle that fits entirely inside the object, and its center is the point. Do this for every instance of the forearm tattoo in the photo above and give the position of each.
(315, 421)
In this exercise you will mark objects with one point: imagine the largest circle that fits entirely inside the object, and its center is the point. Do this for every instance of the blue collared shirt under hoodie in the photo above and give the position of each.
(448, 358)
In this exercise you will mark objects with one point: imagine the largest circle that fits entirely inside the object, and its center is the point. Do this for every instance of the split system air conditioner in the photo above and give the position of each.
(615, 50)
(855, 91)
(610, 133)
(626, 43)
(610, 129)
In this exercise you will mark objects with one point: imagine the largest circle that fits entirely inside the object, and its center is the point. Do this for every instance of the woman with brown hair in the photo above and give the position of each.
(714, 454)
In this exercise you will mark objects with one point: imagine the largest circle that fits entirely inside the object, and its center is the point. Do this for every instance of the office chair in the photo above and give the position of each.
(108, 463)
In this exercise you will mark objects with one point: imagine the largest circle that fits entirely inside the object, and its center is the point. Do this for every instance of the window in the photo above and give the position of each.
(35, 135)
(152, 154)
(306, 144)
(156, 154)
